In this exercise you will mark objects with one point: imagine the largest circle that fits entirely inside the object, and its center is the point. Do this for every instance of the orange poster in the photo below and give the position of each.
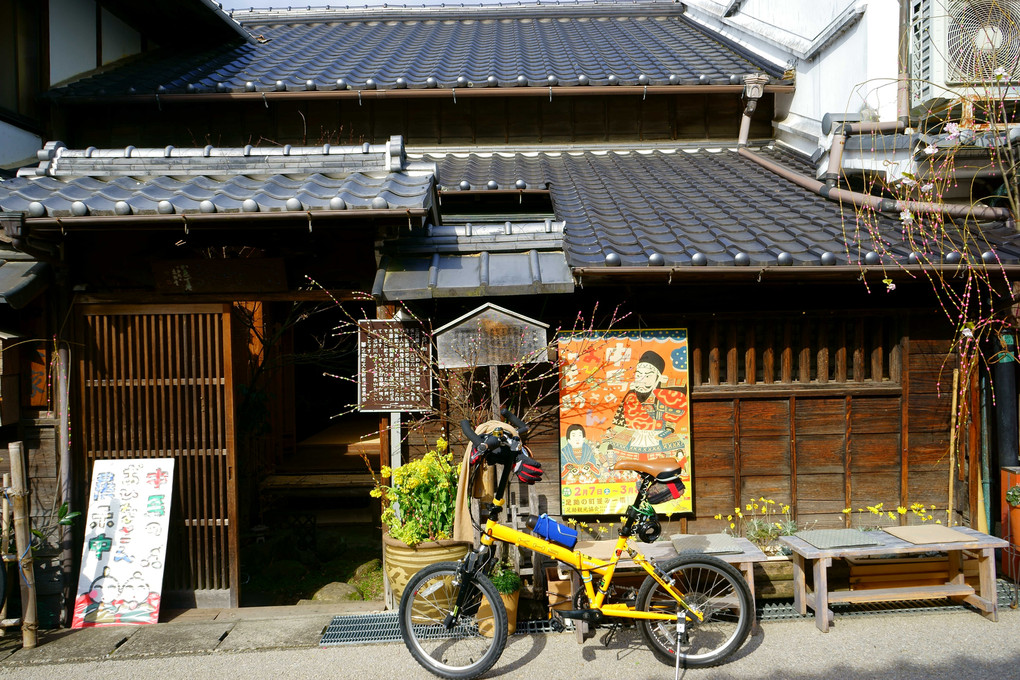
(623, 396)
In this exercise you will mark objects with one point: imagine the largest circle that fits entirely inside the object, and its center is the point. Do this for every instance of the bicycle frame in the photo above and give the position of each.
(587, 565)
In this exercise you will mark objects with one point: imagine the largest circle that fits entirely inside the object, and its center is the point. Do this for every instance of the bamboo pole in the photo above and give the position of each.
(952, 448)
(23, 543)
(5, 543)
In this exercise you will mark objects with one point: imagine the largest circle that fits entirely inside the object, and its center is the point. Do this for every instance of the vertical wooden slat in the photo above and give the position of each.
(768, 355)
(847, 462)
(750, 347)
(841, 375)
(713, 354)
(696, 355)
(793, 455)
(877, 351)
(731, 354)
(905, 423)
(786, 371)
(804, 356)
(229, 444)
(896, 355)
(859, 351)
(822, 352)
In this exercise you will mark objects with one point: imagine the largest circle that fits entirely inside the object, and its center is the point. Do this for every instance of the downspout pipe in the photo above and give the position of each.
(842, 129)
(979, 212)
(754, 88)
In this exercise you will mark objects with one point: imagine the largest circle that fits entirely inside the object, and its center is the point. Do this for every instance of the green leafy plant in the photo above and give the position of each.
(41, 537)
(1013, 496)
(505, 578)
(762, 521)
(421, 497)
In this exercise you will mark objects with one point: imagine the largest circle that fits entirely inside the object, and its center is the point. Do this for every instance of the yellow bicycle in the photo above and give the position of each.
(693, 610)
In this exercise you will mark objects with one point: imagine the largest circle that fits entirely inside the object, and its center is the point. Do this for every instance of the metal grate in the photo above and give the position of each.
(366, 628)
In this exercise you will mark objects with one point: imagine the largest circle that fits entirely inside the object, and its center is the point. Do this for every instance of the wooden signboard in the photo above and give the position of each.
(393, 366)
(126, 527)
(491, 336)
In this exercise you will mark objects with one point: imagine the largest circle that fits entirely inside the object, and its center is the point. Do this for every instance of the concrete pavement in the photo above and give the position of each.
(271, 642)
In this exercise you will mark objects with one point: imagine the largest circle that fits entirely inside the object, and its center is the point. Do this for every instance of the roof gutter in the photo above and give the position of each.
(857, 199)
(268, 220)
(758, 274)
(430, 93)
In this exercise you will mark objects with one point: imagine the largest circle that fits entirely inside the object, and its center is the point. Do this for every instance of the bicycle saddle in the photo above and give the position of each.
(662, 469)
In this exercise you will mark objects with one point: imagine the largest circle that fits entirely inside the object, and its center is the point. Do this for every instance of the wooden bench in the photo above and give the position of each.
(983, 546)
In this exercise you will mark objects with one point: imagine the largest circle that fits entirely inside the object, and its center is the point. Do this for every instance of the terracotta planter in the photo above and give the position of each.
(402, 561)
(510, 603)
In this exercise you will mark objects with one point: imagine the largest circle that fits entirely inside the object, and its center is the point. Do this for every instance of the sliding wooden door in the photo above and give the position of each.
(156, 382)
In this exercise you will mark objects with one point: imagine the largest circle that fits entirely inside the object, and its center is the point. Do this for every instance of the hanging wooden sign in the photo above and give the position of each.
(121, 578)
(393, 366)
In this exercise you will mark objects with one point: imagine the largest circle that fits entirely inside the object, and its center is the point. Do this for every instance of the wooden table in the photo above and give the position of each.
(982, 547)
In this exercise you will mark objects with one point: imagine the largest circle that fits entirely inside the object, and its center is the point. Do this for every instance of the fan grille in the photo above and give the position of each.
(983, 41)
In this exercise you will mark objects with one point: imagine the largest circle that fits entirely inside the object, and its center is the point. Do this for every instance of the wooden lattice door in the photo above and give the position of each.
(156, 382)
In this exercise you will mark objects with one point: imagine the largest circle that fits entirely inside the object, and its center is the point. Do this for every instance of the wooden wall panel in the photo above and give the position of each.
(825, 416)
(821, 454)
(776, 487)
(875, 414)
(711, 419)
(764, 455)
(713, 456)
(764, 417)
(876, 487)
(873, 452)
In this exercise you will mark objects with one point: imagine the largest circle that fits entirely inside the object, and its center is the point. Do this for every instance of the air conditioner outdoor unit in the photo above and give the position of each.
(964, 48)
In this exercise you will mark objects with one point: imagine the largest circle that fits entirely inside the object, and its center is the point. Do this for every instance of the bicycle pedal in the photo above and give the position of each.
(557, 622)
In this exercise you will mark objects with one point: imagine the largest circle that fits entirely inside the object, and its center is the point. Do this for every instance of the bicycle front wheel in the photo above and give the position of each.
(473, 644)
(709, 586)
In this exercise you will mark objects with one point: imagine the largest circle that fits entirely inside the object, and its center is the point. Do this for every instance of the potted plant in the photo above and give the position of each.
(508, 583)
(418, 515)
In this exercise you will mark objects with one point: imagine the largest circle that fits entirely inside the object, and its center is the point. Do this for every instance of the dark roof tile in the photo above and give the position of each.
(607, 43)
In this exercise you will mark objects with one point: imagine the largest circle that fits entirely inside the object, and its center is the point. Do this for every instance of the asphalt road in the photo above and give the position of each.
(955, 644)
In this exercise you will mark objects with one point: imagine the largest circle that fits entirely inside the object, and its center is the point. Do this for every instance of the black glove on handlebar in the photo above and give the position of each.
(527, 469)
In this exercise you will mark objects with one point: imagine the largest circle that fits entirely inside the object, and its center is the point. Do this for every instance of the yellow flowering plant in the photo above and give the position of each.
(420, 499)
(762, 521)
(872, 517)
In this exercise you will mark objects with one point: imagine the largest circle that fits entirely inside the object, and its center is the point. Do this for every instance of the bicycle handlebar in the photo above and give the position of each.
(521, 426)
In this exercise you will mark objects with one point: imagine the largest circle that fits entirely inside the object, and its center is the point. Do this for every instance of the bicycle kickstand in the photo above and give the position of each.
(681, 633)
(610, 634)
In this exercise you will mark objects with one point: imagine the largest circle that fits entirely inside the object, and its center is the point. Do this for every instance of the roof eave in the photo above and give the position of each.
(419, 93)
(743, 274)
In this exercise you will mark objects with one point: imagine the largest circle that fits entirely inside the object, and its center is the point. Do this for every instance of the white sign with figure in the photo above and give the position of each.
(126, 527)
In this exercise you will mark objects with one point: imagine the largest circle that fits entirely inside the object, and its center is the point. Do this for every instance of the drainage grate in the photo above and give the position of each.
(366, 628)
(783, 610)
(362, 629)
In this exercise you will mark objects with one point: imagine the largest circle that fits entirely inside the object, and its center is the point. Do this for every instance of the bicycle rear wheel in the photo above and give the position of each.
(709, 586)
(474, 644)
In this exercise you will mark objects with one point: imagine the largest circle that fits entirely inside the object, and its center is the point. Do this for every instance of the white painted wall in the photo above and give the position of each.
(17, 147)
(119, 39)
(72, 38)
(843, 62)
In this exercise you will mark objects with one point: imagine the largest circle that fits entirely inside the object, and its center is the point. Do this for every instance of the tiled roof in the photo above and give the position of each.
(21, 277)
(109, 182)
(510, 258)
(538, 45)
(683, 207)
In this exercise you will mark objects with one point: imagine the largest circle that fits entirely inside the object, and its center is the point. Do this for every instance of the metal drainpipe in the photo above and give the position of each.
(1004, 379)
(754, 88)
(842, 131)
(878, 203)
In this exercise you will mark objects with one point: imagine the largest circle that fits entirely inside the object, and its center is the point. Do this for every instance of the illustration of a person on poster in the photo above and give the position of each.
(648, 417)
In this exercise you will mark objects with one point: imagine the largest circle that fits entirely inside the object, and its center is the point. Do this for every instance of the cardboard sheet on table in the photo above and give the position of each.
(928, 533)
(710, 544)
(827, 539)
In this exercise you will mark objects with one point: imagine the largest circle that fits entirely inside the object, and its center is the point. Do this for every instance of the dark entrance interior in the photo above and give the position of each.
(313, 521)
